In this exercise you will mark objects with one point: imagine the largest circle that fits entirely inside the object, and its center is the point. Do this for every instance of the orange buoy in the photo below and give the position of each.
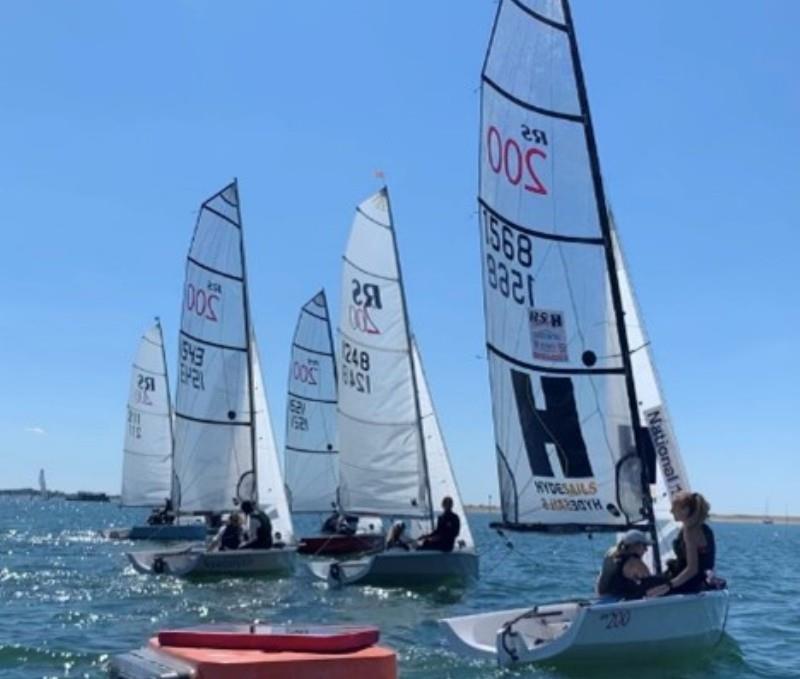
(374, 662)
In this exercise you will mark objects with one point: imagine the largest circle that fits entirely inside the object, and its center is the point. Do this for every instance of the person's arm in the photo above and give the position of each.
(214, 544)
(692, 560)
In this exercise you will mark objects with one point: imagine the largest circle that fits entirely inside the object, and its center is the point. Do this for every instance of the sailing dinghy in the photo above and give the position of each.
(312, 465)
(577, 411)
(224, 446)
(392, 461)
(147, 453)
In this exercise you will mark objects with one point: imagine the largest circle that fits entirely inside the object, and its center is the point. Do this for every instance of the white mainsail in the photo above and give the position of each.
(560, 379)
(147, 452)
(42, 484)
(442, 480)
(271, 492)
(312, 475)
(382, 465)
(214, 428)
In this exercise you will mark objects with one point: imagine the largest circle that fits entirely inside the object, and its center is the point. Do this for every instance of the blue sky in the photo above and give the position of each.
(118, 119)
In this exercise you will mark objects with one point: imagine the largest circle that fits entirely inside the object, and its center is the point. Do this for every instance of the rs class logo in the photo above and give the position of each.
(366, 295)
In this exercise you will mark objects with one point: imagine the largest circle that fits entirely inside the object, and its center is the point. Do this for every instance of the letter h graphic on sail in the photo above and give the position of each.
(557, 424)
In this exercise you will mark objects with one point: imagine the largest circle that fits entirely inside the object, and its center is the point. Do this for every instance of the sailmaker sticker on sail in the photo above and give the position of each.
(548, 335)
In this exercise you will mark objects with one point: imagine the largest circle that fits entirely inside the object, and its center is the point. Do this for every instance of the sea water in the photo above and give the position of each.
(69, 600)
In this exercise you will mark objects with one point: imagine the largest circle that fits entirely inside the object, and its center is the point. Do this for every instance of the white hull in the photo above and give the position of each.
(400, 569)
(584, 631)
(197, 562)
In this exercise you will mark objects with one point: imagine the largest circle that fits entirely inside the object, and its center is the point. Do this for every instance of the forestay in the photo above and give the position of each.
(271, 494)
(440, 471)
(567, 455)
(382, 464)
(214, 442)
(311, 454)
(147, 452)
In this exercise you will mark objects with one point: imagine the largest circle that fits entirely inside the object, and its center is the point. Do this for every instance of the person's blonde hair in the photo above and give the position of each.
(699, 507)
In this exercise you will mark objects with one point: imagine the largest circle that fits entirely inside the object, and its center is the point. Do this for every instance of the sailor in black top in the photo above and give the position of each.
(624, 575)
(260, 532)
(448, 526)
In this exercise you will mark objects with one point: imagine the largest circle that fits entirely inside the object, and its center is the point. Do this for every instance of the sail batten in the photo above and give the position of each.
(567, 433)
(147, 452)
(311, 450)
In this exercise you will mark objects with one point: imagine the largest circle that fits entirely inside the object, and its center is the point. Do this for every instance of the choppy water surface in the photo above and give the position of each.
(68, 599)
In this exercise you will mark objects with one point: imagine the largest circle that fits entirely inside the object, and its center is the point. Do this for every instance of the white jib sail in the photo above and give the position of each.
(312, 469)
(271, 492)
(671, 476)
(381, 457)
(563, 427)
(440, 472)
(214, 456)
(147, 452)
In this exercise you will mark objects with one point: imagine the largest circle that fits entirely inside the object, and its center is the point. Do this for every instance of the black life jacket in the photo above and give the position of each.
(613, 582)
(706, 558)
(231, 537)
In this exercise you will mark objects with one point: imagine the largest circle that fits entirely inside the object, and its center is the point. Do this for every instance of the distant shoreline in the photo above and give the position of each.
(719, 518)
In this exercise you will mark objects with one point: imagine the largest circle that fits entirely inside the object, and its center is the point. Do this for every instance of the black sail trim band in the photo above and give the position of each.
(147, 370)
(555, 371)
(311, 313)
(221, 194)
(202, 420)
(572, 117)
(372, 219)
(221, 216)
(371, 347)
(410, 423)
(312, 351)
(369, 273)
(588, 240)
(211, 269)
(312, 452)
(540, 17)
(313, 400)
(227, 347)
(149, 341)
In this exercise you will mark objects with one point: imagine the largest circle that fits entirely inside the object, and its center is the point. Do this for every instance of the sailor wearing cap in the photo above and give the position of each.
(624, 574)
